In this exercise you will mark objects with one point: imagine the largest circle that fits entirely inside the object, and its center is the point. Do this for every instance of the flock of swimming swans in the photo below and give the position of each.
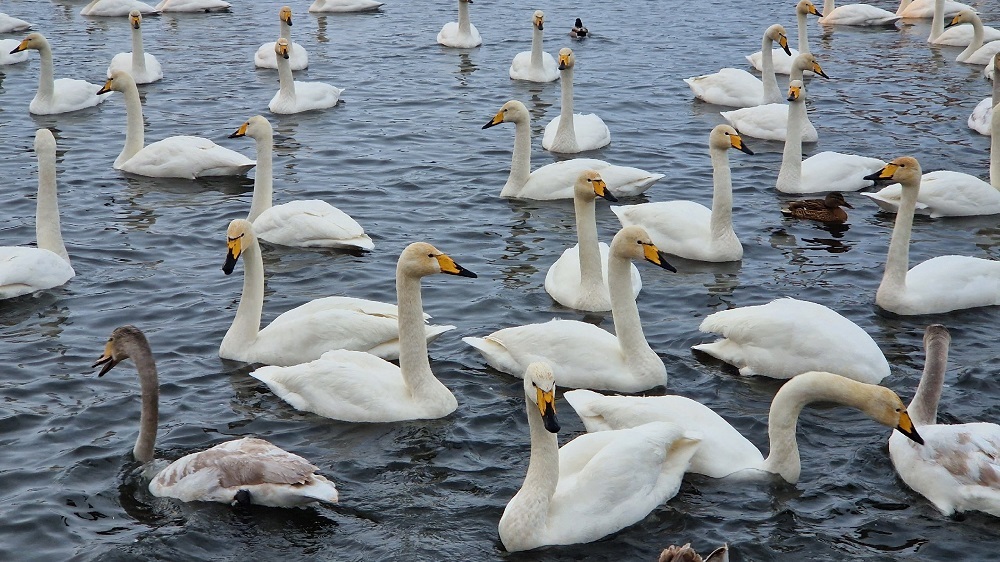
(327, 355)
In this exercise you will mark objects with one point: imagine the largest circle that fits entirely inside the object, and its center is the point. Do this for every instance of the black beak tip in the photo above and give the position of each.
(874, 177)
(550, 422)
(745, 149)
(787, 50)
(609, 196)
(488, 125)
(235, 135)
(915, 436)
(562, 66)
(15, 50)
(664, 263)
(462, 272)
(823, 74)
(230, 264)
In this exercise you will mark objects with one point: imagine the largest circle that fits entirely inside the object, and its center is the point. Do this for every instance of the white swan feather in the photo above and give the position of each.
(116, 8)
(144, 68)
(570, 132)
(535, 65)
(461, 34)
(57, 96)
(320, 6)
(294, 96)
(191, 6)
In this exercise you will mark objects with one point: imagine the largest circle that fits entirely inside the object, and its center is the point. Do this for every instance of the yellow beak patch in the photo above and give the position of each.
(651, 253)
(235, 246)
(447, 264)
(546, 401)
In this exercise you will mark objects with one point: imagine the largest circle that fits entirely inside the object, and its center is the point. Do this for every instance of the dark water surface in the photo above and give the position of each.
(404, 155)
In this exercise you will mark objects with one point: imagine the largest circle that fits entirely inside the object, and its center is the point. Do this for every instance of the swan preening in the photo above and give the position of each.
(320, 6)
(691, 230)
(738, 88)
(294, 96)
(826, 210)
(359, 387)
(298, 57)
(783, 62)
(594, 485)
(143, 66)
(940, 284)
(116, 8)
(787, 336)
(556, 180)
(535, 65)
(462, 35)
(192, 6)
(308, 331)
(856, 14)
(581, 354)
(56, 96)
(723, 451)
(957, 467)
(242, 471)
(173, 157)
(570, 132)
(24, 270)
(306, 223)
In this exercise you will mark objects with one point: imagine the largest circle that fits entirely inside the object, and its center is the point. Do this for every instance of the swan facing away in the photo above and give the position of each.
(783, 62)
(556, 180)
(143, 66)
(298, 58)
(306, 223)
(56, 96)
(116, 8)
(958, 466)
(826, 210)
(243, 471)
(738, 88)
(10, 24)
(294, 96)
(570, 132)
(593, 485)
(581, 354)
(723, 450)
(320, 6)
(535, 65)
(691, 230)
(856, 14)
(674, 553)
(461, 35)
(578, 279)
(191, 6)
(787, 336)
(23, 269)
(307, 331)
(359, 387)
(173, 157)
(940, 284)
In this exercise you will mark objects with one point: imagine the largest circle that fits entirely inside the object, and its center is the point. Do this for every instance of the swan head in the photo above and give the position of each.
(634, 243)
(44, 141)
(885, 407)
(835, 199)
(566, 58)
(936, 334)
(120, 81)
(807, 7)
(538, 19)
(806, 61)
(540, 390)
(34, 41)
(725, 137)
(281, 48)
(420, 259)
(123, 340)
(135, 19)
(239, 236)
(904, 170)
(590, 186)
(257, 127)
(777, 34)
(285, 15)
(511, 112)
(964, 16)
(796, 91)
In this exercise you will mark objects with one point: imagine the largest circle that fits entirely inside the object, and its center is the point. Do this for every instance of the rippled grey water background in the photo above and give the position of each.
(404, 154)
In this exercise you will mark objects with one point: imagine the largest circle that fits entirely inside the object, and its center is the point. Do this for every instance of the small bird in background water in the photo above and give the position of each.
(578, 31)
(824, 210)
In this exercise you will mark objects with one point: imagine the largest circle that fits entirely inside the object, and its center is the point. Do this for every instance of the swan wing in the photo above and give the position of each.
(10, 24)
(521, 69)
(344, 6)
(311, 224)
(835, 171)
(962, 35)
(563, 282)
(681, 228)
(982, 117)
(947, 283)
(944, 193)
(859, 14)
(69, 95)
(449, 36)
(769, 121)
(985, 54)
(591, 132)
(123, 62)
(298, 57)
(555, 181)
(782, 61)
(24, 270)
(186, 157)
(192, 6)
(729, 86)
(116, 8)
(924, 9)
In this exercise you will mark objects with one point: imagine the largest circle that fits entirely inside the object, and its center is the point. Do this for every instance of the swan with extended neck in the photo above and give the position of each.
(143, 66)
(294, 96)
(535, 65)
(298, 57)
(570, 132)
(56, 96)
(461, 34)
(784, 62)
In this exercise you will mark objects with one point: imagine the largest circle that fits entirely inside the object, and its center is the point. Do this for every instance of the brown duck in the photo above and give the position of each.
(823, 210)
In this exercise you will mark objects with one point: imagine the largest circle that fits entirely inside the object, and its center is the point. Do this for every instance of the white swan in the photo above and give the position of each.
(783, 61)
(298, 57)
(535, 65)
(144, 68)
(578, 279)
(294, 96)
(56, 96)
(958, 466)
(307, 331)
(976, 52)
(944, 193)
(738, 88)
(556, 180)
(981, 119)
(345, 6)
(173, 157)
(9, 53)
(823, 172)
(924, 9)
(570, 132)
(241, 471)
(940, 284)
(583, 355)
(305, 223)
(116, 8)
(856, 14)
(770, 121)
(959, 35)
(462, 35)
(192, 6)
(10, 24)
(23, 269)
(594, 485)
(787, 336)
(691, 230)
(723, 450)
(359, 387)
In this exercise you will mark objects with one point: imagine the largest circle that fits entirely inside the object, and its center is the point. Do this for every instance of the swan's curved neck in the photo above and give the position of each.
(263, 181)
(414, 365)
(977, 39)
(803, 33)
(566, 127)
(134, 134)
(528, 510)
(138, 56)
(464, 26)
(286, 82)
(591, 277)
(790, 174)
(772, 94)
(46, 81)
(520, 163)
(625, 313)
(146, 367)
(47, 231)
(722, 195)
(923, 407)
(898, 259)
(246, 325)
(937, 24)
(536, 48)
(828, 6)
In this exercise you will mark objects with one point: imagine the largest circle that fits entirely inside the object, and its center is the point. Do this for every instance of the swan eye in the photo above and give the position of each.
(430, 255)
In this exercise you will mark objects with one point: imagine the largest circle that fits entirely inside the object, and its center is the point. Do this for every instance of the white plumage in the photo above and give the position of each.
(570, 132)
(294, 96)
(535, 65)
(298, 57)
(143, 66)
(461, 34)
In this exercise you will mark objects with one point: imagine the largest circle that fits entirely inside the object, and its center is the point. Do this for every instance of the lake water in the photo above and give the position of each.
(404, 154)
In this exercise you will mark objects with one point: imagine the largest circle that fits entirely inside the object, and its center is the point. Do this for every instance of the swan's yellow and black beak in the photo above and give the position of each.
(563, 61)
(539, 23)
(737, 142)
(814, 11)
(235, 248)
(885, 174)
(107, 359)
(20, 47)
(497, 119)
(136, 21)
(241, 132)
(783, 42)
(794, 92)
(282, 49)
(106, 87)
(954, 21)
(547, 406)
(817, 69)
(449, 266)
(601, 189)
(907, 428)
(654, 256)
